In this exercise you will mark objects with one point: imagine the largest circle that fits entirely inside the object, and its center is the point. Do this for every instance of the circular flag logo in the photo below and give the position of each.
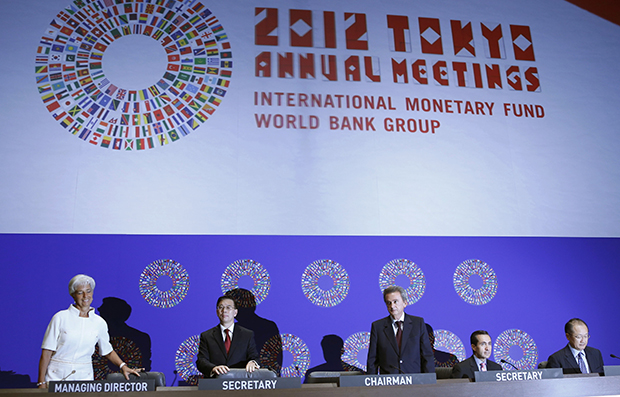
(134, 75)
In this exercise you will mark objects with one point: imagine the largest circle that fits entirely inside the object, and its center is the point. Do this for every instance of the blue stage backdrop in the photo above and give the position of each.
(312, 153)
(532, 291)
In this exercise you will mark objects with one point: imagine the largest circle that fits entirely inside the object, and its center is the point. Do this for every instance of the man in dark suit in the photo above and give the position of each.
(479, 361)
(571, 358)
(226, 345)
(399, 342)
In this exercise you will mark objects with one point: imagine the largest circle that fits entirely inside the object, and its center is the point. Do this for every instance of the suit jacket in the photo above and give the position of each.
(416, 354)
(467, 367)
(211, 350)
(564, 359)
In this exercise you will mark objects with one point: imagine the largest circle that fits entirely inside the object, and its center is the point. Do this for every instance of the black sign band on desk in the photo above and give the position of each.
(249, 384)
(611, 370)
(101, 386)
(387, 380)
(518, 376)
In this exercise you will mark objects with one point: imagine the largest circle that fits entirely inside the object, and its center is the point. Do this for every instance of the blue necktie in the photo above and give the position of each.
(582, 363)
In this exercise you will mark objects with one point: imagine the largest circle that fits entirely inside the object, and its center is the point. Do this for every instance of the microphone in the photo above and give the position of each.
(399, 370)
(511, 364)
(614, 356)
(65, 378)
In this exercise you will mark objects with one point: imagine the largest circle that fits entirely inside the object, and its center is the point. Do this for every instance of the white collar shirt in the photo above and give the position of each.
(480, 361)
(576, 355)
(223, 331)
(402, 318)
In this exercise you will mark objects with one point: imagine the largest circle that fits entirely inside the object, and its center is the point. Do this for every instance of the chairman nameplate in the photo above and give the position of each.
(518, 376)
(387, 380)
(249, 384)
(101, 386)
(611, 370)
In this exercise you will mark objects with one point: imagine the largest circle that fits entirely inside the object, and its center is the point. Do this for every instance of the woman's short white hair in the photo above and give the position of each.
(79, 281)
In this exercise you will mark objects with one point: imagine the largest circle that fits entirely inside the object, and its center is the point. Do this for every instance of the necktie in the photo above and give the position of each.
(399, 333)
(227, 340)
(483, 366)
(582, 363)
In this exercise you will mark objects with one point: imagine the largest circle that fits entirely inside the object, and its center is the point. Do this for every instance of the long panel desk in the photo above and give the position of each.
(565, 387)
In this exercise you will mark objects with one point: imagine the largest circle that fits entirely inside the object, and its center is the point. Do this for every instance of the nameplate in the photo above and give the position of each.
(101, 386)
(611, 370)
(387, 380)
(518, 376)
(249, 384)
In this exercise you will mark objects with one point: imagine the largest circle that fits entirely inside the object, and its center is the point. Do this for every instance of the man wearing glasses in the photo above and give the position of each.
(226, 345)
(577, 357)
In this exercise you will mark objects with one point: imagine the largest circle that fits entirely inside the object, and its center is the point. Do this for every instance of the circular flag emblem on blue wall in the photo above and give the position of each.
(134, 75)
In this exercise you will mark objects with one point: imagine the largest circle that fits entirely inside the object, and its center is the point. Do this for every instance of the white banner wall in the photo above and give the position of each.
(469, 118)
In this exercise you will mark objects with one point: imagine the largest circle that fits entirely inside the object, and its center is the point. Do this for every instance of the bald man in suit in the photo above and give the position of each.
(226, 345)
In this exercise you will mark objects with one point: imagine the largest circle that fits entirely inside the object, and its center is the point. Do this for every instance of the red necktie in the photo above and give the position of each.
(483, 366)
(227, 340)
(399, 333)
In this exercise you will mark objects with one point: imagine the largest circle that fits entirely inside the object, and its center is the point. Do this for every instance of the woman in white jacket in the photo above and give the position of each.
(70, 339)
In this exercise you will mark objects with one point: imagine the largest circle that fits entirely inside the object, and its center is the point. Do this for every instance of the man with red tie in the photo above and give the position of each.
(479, 361)
(226, 345)
(399, 343)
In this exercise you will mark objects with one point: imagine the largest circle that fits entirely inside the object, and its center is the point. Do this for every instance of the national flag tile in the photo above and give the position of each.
(48, 97)
(208, 109)
(105, 142)
(162, 139)
(66, 122)
(58, 86)
(173, 135)
(202, 117)
(58, 116)
(194, 105)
